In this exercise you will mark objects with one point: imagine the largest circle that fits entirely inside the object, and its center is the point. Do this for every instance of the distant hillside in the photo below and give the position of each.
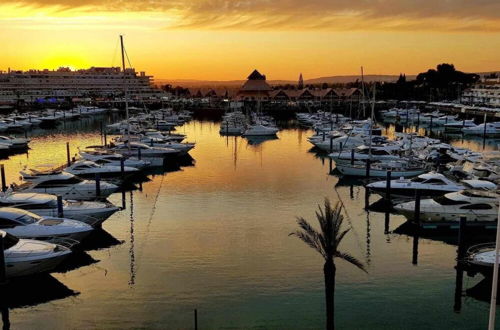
(232, 83)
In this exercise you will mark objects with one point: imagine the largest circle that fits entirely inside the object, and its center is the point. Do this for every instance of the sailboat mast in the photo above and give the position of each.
(371, 122)
(125, 90)
(363, 91)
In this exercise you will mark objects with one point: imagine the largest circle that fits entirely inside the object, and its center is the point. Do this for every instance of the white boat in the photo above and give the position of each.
(105, 158)
(66, 185)
(89, 169)
(397, 168)
(260, 130)
(132, 149)
(342, 142)
(364, 152)
(474, 205)
(91, 212)
(14, 143)
(429, 184)
(457, 126)
(492, 129)
(24, 257)
(25, 224)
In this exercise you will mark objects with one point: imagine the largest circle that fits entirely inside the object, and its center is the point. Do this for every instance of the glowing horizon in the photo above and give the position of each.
(222, 40)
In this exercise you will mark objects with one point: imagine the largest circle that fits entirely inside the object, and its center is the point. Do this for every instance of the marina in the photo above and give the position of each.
(210, 233)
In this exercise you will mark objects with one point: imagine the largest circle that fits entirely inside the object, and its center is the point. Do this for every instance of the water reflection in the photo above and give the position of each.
(257, 140)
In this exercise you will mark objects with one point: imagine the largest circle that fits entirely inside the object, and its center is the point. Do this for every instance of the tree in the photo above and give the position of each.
(326, 242)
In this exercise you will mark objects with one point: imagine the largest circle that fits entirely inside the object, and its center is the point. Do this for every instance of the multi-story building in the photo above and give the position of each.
(484, 93)
(28, 86)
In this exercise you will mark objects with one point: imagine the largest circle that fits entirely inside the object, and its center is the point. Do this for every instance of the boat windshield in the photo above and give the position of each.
(28, 218)
(417, 179)
(9, 241)
(443, 200)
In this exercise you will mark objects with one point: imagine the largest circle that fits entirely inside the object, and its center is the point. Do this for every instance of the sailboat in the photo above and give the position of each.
(399, 168)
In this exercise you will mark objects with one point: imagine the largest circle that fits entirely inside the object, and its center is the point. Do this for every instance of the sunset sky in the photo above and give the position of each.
(224, 39)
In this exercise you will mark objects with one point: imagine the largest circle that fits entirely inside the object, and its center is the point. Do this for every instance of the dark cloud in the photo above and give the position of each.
(452, 15)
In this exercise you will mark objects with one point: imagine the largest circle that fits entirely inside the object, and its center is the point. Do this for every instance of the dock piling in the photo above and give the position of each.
(331, 144)
(416, 216)
(352, 156)
(68, 158)
(195, 319)
(461, 237)
(139, 153)
(97, 185)
(368, 165)
(2, 173)
(388, 187)
(60, 212)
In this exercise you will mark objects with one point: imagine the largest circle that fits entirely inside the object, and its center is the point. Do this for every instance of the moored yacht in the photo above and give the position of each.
(429, 184)
(25, 257)
(66, 185)
(90, 212)
(474, 205)
(25, 224)
(260, 130)
(89, 169)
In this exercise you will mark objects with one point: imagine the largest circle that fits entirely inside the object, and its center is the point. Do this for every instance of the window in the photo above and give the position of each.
(477, 207)
(6, 223)
(435, 181)
(58, 183)
(443, 200)
(417, 179)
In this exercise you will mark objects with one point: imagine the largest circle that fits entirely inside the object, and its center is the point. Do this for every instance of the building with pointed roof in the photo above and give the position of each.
(255, 88)
(301, 82)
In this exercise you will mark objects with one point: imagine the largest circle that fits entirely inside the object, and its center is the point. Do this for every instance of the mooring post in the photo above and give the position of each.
(151, 142)
(195, 319)
(331, 144)
(368, 165)
(122, 167)
(461, 237)
(97, 185)
(3, 275)
(324, 135)
(2, 173)
(124, 200)
(139, 153)
(431, 125)
(25, 133)
(416, 217)
(105, 139)
(337, 118)
(352, 156)
(60, 211)
(388, 187)
(418, 119)
(67, 154)
(331, 165)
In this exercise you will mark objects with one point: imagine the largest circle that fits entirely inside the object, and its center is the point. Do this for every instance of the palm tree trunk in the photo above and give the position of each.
(329, 271)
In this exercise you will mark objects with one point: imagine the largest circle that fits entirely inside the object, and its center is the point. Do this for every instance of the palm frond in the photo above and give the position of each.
(347, 257)
(340, 237)
(310, 236)
(309, 241)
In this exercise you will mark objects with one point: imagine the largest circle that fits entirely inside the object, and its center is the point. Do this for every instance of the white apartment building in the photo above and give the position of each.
(486, 92)
(94, 82)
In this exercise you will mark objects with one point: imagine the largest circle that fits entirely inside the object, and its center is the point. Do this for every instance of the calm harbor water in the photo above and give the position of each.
(214, 236)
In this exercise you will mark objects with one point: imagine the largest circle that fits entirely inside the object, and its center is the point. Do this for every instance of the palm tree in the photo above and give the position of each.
(326, 242)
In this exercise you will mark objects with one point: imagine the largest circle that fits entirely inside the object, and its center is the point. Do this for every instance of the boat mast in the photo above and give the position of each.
(363, 91)
(371, 123)
(125, 90)
(494, 286)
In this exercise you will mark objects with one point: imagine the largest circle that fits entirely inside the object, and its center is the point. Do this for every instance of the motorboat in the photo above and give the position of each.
(89, 169)
(492, 129)
(132, 149)
(474, 205)
(338, 142)
(428, 184)
(24, 257)
(398, 168)
(25, 224)
(364, 152)
(481, 258)
(91, 212)
(459, 125)
(66, 185)
(14, 143)
(260, 130)
(106, 159)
